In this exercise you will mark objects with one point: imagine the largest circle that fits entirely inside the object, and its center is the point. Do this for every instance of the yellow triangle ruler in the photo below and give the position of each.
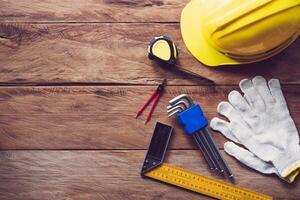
(155, 168)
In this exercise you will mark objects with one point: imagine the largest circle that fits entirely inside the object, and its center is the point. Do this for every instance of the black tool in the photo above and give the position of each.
(158, 147)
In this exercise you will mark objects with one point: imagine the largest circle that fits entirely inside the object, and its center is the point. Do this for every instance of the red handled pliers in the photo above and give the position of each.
(155, 95)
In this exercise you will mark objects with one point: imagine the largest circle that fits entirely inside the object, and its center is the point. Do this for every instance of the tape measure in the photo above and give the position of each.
(155, 168)
(162, 49)
(197, 183)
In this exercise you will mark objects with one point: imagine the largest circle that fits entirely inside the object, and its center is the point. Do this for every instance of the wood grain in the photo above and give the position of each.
(91, 11)
(67, 107)
(112, 175)
(45, 54)
(100, 117)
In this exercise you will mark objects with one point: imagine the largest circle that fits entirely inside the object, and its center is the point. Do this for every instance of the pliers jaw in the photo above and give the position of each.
(161, 86)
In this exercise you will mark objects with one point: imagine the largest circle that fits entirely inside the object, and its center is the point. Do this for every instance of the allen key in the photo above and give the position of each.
(191, 117)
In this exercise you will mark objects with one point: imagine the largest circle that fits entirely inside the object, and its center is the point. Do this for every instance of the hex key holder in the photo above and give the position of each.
(191, 117)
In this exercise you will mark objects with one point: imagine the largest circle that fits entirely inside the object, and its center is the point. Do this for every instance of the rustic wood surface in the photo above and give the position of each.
(113, 174)
(72, 76)
(100, 117)
(114, 53)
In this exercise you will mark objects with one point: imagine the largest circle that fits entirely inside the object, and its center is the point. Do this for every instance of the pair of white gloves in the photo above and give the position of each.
(260, 121)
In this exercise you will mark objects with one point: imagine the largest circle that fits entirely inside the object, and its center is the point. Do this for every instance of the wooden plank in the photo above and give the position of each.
(91, 11)
(100, 117)
(115, 53)
(112, 175)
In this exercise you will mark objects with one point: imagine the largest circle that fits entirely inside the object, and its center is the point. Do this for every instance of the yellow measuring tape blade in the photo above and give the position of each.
(197, 183)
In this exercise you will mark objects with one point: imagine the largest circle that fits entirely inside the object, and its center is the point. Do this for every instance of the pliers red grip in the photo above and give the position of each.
(155, 95)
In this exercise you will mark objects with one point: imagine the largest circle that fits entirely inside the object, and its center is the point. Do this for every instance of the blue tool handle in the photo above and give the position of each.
(192, 119)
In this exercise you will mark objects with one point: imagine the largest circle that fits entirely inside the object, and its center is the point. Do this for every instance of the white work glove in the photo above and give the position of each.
(261, 122)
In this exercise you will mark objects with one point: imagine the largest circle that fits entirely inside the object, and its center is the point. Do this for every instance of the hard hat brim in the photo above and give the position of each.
(195, 41)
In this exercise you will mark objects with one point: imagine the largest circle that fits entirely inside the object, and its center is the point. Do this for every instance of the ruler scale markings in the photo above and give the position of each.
(200, 184)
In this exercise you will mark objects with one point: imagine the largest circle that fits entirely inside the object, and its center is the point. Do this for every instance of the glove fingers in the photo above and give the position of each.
(261, 86)
(238, 127)
(249, 159)
(242, 132)
(251, 94)
(226, 109)
(276, 91)
(222, 126)
(238, 102)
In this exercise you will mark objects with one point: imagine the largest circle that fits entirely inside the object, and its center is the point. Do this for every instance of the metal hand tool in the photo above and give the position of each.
(191, 117)
(155, 95)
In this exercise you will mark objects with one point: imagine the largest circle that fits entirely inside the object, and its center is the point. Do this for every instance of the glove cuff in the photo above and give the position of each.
(288, 163)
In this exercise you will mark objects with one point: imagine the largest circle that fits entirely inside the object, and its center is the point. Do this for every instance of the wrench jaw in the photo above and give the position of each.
(179, 104)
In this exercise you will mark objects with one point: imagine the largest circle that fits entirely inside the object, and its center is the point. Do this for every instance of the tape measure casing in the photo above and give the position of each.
(162, 49)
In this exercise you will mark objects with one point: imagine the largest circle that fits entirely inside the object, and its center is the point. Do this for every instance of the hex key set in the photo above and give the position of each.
(191, 116)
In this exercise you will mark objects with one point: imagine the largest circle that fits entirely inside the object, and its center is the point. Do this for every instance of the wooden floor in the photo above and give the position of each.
(72, 76)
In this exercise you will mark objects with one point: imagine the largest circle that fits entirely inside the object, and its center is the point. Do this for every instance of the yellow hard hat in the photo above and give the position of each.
(223, 32)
